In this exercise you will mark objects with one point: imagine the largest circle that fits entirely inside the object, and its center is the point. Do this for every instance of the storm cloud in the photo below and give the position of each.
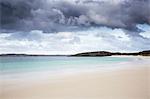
(72, 26)
(72, 15)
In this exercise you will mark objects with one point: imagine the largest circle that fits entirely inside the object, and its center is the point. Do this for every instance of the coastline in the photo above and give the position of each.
(130, 82)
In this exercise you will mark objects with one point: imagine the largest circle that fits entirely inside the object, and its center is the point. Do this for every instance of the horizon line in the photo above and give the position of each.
(30, 54)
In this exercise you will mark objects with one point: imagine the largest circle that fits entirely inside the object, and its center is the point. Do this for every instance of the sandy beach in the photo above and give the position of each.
(131, 82)
(74, 49)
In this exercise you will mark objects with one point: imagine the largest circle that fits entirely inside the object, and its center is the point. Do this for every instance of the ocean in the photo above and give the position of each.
(35, 67)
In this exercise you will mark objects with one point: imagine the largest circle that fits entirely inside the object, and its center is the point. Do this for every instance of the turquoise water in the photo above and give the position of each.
(32, 63)
(35, 68)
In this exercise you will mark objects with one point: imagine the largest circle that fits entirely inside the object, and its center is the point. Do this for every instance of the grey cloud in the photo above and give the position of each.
(65, 15)
(92, 40)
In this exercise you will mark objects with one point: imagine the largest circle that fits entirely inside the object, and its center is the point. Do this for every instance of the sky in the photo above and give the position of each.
(73, 26)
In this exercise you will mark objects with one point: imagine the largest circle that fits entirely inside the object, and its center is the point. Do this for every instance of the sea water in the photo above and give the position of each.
(16, 67)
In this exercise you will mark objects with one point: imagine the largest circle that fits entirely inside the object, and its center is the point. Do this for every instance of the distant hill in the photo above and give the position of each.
(106, 53)
(97, 53)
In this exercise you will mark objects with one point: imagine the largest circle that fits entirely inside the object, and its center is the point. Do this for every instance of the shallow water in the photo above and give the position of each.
(32, 63)
(35, 67)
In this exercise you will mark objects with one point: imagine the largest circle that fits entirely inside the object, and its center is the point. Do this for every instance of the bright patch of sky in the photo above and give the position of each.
(146, 30)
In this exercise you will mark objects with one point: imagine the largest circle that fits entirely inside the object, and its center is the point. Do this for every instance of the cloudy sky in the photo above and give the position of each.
(72, 26)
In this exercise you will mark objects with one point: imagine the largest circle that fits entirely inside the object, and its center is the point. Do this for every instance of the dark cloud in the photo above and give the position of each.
(65, 15)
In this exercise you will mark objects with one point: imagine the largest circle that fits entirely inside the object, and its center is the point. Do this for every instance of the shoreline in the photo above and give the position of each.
(31, 76)
(131, 81)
